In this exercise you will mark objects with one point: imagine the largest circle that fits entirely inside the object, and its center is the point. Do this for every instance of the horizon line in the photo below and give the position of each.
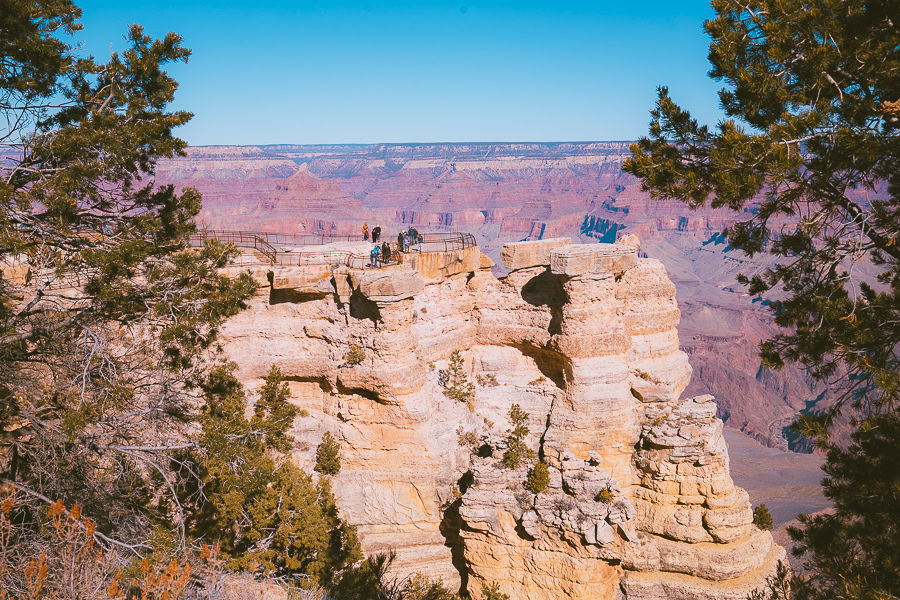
(410, 143)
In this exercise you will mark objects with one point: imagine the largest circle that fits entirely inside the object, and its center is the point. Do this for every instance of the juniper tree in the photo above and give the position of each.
(809, 155)
(102, 313)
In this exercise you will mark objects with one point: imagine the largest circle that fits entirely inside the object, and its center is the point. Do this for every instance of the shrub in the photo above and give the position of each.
(354, 356)
(489, 380)
(762, 518)
(605, 496)
(467, 439)
(457, 385)
(492, 592)
(60, 556)
(371, 580)
(647, 376)
(517, 451)
(538, 478)
(328, 455)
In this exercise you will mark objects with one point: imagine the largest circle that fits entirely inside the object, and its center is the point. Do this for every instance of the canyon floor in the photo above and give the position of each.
(786, 482)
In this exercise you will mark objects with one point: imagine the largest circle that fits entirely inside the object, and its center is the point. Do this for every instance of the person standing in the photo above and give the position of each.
(400, 242)
(376, 234)
(366, 231)
(385, 253)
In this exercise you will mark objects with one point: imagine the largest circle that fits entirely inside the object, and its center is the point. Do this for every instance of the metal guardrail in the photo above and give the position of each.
(271, 246)
(241, 239)
(305, 239)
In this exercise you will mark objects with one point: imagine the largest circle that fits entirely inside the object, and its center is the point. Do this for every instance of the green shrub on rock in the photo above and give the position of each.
(328, 455)
(762, 518)
(538, 478)
(517, 452)
(605, 496)
(354, 356)
(492, 592)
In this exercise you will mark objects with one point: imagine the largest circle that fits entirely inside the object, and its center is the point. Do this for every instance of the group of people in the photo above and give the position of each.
(376, 233)
(382, 253)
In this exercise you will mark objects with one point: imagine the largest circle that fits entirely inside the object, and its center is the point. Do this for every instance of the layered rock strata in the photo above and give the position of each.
(584, 339)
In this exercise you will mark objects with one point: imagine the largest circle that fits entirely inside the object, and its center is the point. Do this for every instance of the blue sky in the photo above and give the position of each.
(321, 71)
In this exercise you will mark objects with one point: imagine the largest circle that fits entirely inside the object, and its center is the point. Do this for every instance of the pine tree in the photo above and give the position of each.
(809, 156)
(517, 452)
(328, 455)
(104, 318)
(261, 509)
(458, 386)
(853, 551)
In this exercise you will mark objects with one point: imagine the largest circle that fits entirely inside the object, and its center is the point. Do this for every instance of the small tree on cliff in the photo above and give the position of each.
(328, 455)
(538, 478)
(517, 451)
(255, 502)
(810, 156)
(102, 314)
(762, 518)
(457, 385)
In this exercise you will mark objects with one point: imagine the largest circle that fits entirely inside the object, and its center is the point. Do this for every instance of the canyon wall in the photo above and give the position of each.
(583, 337)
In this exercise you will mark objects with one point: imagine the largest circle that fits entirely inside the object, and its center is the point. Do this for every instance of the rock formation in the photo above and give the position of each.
(511, 192)
(583, 337)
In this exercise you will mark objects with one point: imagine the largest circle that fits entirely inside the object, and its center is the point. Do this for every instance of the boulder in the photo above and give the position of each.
(521, 255)
(387, 285)
(587, 259)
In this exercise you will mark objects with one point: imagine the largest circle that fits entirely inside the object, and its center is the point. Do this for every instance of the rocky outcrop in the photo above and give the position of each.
(640, 504)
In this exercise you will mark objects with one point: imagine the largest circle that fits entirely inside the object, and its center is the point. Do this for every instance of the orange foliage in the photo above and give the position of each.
(74, 566)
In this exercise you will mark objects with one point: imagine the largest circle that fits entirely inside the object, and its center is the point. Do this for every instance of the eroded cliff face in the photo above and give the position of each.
(584, 338)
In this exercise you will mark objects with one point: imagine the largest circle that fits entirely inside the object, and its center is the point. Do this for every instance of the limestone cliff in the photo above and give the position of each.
(584, 338)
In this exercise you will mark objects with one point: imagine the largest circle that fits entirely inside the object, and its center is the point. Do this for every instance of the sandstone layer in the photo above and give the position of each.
(584, 338)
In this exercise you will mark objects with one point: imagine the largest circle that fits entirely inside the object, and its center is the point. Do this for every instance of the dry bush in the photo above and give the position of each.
(57, 553)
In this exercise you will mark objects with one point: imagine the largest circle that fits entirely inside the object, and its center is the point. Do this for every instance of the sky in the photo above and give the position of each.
(330, 71)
